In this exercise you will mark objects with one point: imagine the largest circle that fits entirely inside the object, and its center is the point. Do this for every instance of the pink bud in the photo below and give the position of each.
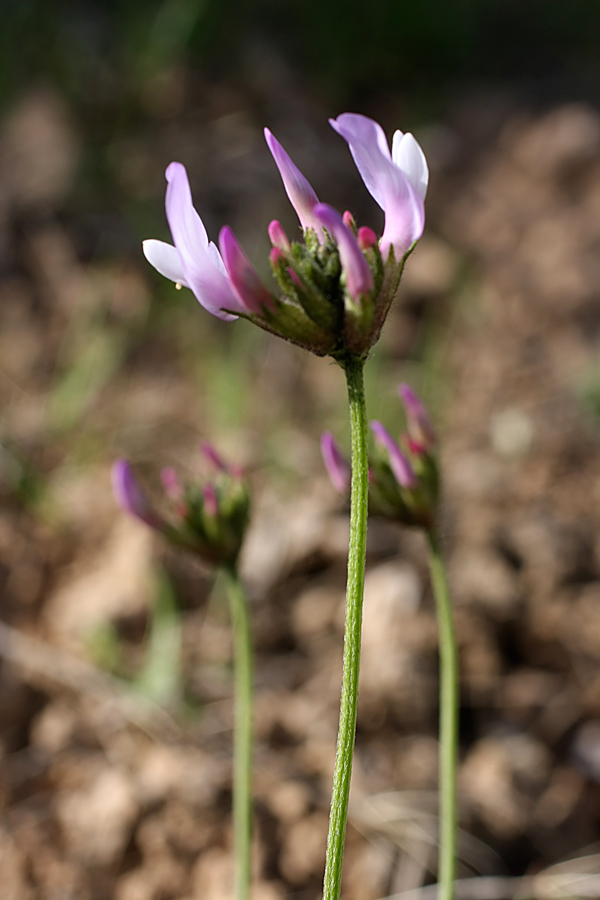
(400, 466)
(295, 277)
(337, 466)
(277, 236)
(366, 238)
(420, 429)
(359, 280)
(348, 220)
(170, 482)
(275, 256)
(130, 496)
(211, 503)
(213, 456)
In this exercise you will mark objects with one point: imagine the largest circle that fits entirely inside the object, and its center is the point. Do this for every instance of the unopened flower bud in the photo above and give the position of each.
(418, 422)
(213, 456)
(242, 274)
(209, 520)
(366, 238)
(349, 221)
(338, 467)
(277, 236)
(211, 503)
(171, 483)
(399, 464)
(131, 498)
(403, 486)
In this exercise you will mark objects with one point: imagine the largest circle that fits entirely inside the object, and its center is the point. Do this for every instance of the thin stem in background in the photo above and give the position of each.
(448, 721)
(242, 742)
(354, 603)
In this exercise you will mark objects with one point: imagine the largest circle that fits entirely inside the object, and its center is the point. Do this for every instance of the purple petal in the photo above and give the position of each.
(300, 193)
(359, 279)
(336, 463)
(386, 181)
(420, 429)
(131, 497)
(202, 266)
(243, 276)
(399, 464)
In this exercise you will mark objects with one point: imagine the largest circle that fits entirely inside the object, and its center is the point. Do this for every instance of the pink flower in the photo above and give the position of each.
(396, 180)
(195, 262)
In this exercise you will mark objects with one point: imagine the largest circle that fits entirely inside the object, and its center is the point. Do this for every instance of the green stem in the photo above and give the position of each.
(242, 742)
(448, 720)
(354, 602)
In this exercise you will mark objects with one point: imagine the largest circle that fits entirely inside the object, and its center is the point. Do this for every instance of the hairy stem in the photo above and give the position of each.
(242, 749)
(354, 603)
(448, 721)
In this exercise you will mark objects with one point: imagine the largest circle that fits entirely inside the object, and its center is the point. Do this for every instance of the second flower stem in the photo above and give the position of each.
(242, 742)
(352, 636)
(448, 720)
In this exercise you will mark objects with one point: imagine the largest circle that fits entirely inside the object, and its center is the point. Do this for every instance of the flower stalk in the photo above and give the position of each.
(448, 737)
(403, 485)
(210, 521)
(242, 741)
(338, 816)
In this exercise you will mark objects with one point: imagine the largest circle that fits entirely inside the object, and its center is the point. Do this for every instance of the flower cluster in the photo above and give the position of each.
(209, 519)
(336, 286)
(403, 476)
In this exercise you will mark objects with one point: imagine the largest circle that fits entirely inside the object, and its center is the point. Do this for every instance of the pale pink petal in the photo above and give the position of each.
(300, 193)
(202, 267)
(404, 219)
(389, 185)
(369, 149)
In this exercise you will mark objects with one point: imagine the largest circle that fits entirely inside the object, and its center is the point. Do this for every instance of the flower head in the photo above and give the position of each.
(208, 519)
(335, 287)
(404, 478)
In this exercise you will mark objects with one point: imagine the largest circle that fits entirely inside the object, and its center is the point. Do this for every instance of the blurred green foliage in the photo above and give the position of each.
(100, 51)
